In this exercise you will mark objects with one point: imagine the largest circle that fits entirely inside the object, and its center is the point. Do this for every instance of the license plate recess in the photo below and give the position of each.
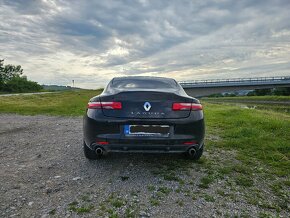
(147, 130)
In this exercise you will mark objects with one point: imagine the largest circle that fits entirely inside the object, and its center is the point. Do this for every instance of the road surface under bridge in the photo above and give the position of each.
(199, 88)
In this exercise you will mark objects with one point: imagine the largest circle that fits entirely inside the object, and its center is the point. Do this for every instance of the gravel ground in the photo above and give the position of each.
(44, 173)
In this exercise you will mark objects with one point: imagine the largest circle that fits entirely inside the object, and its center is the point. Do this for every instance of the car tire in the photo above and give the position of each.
(89, 154)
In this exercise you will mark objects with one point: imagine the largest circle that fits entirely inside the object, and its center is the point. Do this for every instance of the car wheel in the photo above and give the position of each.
(90, 154)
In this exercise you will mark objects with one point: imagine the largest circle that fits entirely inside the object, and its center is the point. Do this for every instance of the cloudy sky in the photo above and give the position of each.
(56, 41)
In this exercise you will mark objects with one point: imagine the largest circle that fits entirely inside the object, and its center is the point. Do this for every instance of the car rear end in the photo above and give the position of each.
(144, 120)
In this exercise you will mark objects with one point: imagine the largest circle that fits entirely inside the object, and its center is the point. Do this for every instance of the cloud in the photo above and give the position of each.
(92, 41)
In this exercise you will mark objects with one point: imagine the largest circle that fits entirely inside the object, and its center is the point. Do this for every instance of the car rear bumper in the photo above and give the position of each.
(185, 134)
(152, 148)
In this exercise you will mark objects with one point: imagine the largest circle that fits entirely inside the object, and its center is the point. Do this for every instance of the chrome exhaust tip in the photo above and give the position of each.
(99, 151)
(191, 152)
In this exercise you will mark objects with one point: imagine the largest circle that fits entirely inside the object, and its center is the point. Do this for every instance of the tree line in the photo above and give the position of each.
(13, 80)
(283, 91)
(275, 91)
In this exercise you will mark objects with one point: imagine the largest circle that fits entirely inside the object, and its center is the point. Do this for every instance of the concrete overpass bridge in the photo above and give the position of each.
(214, 86)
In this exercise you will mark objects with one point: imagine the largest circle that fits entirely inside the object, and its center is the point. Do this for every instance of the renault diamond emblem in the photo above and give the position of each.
(147, 106)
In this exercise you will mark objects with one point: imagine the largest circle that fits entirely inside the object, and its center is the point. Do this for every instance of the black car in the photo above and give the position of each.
(143, 114)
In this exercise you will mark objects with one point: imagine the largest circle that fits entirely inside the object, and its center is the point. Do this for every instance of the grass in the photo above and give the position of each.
(164, 190)
(171, 176)
(130, 213)
(244, 181)
(206, 181)
(66, 103)
(74, 206)
(257, 136)
(116, 201)
(255, 102)
(171, 171)
(209, 198)
(154, 201)
(221, 192)
(151, 187)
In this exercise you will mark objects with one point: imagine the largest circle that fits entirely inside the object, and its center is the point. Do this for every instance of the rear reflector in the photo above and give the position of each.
(190, 143)
(186, 106)
(105, 105)
(103, 143)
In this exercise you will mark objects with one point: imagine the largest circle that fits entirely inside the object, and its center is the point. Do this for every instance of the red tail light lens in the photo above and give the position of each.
(196, 107)
(105, 105)
(94, 105)
(186, 107)
(181, 106)
(190, 143)
(111, 105)
(102, 142)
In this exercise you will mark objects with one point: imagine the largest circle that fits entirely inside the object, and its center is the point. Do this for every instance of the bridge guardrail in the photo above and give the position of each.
(235, 80)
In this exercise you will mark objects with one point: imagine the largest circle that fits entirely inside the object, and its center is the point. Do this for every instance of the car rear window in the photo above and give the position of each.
(143, 84)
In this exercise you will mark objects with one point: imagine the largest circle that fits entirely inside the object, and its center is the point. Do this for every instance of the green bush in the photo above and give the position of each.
(11, 79)
(21, 84)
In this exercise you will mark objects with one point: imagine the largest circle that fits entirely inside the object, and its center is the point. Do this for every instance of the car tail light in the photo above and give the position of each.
(190, 143)
(94, 105)
(186, 107)
(105, 105)
(196, 107)
(102, 142)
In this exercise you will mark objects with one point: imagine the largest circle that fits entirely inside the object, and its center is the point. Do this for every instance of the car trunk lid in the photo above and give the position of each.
(146, 105)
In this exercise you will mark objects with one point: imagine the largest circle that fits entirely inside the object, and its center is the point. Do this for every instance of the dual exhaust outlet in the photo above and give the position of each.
(100, 151)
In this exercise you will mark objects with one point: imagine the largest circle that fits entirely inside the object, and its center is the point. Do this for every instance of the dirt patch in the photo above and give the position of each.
(44, 173)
